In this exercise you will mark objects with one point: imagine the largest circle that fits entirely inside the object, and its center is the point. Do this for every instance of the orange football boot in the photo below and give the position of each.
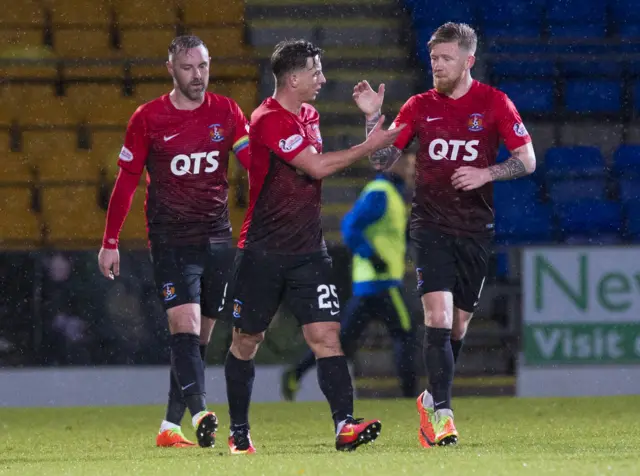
(426, 432)
(240, 442)
(173, 438)
(357, 432)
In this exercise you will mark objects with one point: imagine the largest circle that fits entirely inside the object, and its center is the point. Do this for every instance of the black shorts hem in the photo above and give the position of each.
(304, 322)
(262, 281)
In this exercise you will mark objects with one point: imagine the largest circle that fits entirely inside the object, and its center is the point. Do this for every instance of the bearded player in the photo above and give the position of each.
(459, 125)
(183, 138)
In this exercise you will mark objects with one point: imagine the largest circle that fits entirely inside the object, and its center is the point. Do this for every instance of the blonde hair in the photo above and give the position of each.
(461, 33)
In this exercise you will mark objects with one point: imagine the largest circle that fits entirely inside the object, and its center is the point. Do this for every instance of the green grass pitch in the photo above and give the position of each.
(498, 436)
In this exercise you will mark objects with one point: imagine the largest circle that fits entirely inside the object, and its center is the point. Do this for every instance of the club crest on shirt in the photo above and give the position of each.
(237, 308)
(216, 133)
(168, 291)
(476, 122)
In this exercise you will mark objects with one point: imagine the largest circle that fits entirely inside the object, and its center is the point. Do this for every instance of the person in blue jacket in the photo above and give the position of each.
(375, 231)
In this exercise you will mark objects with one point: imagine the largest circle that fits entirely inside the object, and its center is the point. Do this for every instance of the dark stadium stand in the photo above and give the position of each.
(72, 74)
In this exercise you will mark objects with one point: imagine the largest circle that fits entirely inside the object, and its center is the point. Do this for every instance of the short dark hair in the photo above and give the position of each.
(461, 33)
(291, 55)
(185, 42)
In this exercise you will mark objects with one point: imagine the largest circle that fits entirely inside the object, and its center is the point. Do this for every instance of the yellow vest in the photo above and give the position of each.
(387, 237)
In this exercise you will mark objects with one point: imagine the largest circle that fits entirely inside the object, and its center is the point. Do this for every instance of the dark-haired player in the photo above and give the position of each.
(282, 256)
(459, 125)
(183, 138)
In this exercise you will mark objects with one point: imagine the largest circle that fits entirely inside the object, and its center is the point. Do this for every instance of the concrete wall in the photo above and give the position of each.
(95, 386)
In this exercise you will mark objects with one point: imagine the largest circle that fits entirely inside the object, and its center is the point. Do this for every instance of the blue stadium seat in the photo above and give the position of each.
(578, 30)
(422, 51)
(628, 45)
(568, 190)
(591, 68)
(513, 12)
(502, 264)
(585, 96)
(530, 96)
(519, 224)
(500, 30)
(626, 161)
(524, 69)
(592, 219)
(597, 47)
(636, 96)
(578, 161)
(519, 48)
(625, 11)
(632, 220)
(576, 11)
(519, 191)
(437, 13)
(503, 154)
(629, 31)
(518, 19)
(629, 189)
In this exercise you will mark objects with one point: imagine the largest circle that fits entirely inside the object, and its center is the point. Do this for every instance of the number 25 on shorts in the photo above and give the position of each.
(328, 298)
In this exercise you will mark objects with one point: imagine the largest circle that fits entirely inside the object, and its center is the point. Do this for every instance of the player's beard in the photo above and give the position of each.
(194, 92)
(445, 85)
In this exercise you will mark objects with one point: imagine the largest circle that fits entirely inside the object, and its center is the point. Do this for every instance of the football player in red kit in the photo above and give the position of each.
(282, 255)
(459, 125)
(183, 139)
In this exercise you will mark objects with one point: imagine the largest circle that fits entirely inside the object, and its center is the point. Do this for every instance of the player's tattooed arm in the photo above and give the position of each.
(509, 169)
(382, 159)
(521, 163)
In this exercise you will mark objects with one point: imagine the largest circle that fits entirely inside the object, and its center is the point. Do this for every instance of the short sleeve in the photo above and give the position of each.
(510, 126)
(406, 116)
(282, 135)
(133, 155)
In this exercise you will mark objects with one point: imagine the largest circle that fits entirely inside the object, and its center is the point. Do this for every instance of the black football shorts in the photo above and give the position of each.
(192, 274)
(261, 281)
(445, 262)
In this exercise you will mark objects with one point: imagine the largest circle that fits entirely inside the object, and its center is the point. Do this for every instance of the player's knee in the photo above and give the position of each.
(438, 309)
(184, 319)
(438, 318)
(458, 331)
(323, 338)
(460, 326)
(245, 346)
(206, 328)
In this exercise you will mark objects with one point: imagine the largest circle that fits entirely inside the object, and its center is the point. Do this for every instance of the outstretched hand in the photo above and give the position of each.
(369, 101)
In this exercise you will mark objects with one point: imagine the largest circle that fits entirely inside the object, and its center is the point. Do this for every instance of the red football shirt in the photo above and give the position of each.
(284, 203)
(454, 133)
(186, 154)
